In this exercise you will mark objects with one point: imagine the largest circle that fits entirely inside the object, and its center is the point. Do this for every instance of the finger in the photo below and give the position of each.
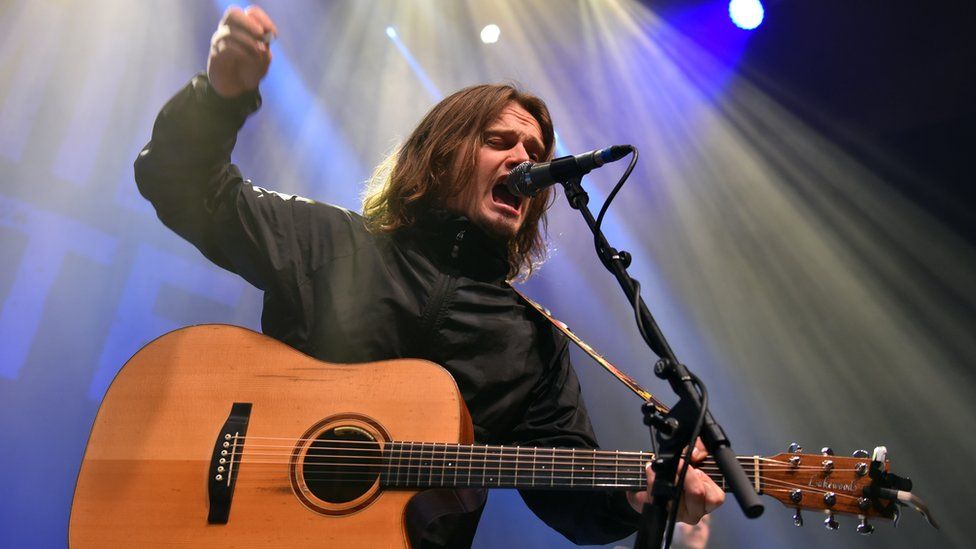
(699, 452)
(234, 11)
(714, 498)
(253, 48)
(701, 492)
(649, 473)
(238, 20)
(230, 52)
(259, 15)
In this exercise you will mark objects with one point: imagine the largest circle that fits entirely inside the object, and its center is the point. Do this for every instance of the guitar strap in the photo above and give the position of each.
(614, 371)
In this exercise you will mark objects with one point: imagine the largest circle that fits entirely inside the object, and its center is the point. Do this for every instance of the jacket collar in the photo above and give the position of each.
(456, 243)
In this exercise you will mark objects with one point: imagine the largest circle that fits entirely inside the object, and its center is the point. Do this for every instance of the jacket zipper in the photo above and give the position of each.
(437, 305)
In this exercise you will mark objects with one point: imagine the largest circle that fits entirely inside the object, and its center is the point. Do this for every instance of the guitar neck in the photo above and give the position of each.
(419, 465)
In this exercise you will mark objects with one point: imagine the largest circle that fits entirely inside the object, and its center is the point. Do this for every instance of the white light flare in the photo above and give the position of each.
(490, 34)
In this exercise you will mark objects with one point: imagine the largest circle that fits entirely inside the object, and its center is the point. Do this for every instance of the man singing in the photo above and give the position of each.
(422, 273)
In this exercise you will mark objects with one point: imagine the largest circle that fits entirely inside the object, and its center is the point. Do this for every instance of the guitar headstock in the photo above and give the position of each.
(859, 485)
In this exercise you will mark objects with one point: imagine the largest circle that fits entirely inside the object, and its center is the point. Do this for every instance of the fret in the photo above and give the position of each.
(484, 467)
(386, 477)
(616, 466)
(593, 470)
(430, 465)
(403, 450)
(501, 453)
(418, 463)
(470, 464)
(408, 465)
(572, 467)
(758, 477)
(396, 475)
(457, 462)
(515, 481)
(552, 469)
(534, 452)
(441, 462)
(422, 465)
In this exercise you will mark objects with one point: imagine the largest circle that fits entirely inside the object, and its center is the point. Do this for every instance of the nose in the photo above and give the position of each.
(517, 155)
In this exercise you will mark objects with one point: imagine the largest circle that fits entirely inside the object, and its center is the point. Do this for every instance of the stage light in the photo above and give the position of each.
(391, 32)
(489, 34)
(746, 14)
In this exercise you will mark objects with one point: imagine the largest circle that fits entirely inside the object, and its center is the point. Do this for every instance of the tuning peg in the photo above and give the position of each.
(864, 528)
(863, 504)
(860, 453)
(829, 522)
(795, 448)
(797, 518)
(826, 451)
(830, 499)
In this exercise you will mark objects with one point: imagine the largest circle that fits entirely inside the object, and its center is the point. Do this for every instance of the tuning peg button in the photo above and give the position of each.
(863, 504)
(864, 528)
(830, 523)
(830, 499)
(861, 454)
(797, 518)
(795, 448)
(827, 451)
(796, 495)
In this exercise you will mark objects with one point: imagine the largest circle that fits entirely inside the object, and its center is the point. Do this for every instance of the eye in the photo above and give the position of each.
(494, 141)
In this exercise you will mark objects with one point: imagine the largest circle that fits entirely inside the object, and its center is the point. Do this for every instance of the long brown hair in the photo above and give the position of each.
(420, 175)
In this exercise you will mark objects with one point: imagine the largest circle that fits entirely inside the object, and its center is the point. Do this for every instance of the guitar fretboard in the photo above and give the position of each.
(427, 465)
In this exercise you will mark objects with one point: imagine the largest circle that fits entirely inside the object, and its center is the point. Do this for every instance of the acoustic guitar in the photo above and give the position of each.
(215, 435)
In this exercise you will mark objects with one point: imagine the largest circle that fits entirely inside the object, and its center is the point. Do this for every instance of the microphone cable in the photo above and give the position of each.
(702, 391)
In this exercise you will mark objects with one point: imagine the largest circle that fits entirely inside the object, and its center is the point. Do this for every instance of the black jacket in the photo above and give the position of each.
(339, 293)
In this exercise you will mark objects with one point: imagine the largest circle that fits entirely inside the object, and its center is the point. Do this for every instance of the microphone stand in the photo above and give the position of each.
(673, 430)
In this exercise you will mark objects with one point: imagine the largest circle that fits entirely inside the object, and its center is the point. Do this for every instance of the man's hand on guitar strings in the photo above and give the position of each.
(700, 496)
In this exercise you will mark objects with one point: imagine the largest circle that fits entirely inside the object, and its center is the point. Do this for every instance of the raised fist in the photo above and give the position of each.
(239, 53)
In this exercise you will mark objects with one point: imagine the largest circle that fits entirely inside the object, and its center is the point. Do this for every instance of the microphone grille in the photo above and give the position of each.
(518, 180)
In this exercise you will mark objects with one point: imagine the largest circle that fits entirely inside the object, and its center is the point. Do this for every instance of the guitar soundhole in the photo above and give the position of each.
(341, 464)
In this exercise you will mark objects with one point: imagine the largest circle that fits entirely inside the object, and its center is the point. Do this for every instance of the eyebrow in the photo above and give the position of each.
(535, 143)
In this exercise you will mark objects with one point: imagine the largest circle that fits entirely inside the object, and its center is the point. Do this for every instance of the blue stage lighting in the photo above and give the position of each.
(746, 14)
(391, 32)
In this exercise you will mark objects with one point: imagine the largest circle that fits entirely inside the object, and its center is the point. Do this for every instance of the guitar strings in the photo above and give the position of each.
(769, 484)
(507, 451)
(327, 460)
(315, 455)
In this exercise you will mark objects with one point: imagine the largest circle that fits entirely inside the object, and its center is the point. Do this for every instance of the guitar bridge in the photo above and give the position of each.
(225, 461)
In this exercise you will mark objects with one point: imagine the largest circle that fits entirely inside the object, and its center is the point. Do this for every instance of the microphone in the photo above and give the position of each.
(527, 179)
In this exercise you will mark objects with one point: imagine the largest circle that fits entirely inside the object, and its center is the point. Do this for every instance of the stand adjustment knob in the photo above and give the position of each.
(624, 258)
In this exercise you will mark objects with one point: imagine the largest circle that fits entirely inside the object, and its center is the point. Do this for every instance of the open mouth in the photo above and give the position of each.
(501, 195)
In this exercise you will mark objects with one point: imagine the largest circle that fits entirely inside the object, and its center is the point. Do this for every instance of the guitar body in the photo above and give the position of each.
(144, 478)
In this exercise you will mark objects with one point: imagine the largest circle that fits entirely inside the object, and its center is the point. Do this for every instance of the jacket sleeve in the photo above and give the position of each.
(272, 240)
(557, 417)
